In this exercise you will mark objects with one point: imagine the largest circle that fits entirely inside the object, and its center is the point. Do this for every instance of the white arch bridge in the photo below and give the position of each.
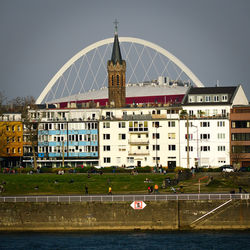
(86, 71)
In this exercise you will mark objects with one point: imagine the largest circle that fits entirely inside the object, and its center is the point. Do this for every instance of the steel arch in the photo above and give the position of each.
(93, 46)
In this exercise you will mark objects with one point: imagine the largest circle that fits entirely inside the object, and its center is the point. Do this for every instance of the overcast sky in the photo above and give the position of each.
(211, 37)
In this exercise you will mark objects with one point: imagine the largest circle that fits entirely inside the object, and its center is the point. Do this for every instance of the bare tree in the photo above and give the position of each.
(30, 125)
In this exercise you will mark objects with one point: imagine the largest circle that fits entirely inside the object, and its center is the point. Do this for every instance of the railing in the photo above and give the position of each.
(142, 141)
(126, 198)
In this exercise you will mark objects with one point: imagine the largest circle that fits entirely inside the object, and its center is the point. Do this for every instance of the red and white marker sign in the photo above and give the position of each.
(138, 205)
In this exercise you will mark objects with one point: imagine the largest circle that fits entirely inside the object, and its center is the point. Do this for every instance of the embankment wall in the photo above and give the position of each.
(157, 215)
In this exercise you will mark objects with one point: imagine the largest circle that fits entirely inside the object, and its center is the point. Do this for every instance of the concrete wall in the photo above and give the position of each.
(170, 215)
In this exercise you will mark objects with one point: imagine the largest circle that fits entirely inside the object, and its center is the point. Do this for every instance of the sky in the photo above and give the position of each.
(37, 37)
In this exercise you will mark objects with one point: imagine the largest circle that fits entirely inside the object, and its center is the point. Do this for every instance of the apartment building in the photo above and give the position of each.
(11, 139)
(240, 136)
(208, 118)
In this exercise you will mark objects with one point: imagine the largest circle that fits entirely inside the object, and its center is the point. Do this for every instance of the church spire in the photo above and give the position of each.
(116, 53)
(116, 75)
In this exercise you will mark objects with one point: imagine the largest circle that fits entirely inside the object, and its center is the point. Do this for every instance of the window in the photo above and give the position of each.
(190, 148)
(216, 98)
(221, 124)
(106, 125)
(171, 135)
(106, 159)
(156, 136)
(106, 136)
(190, 136)
(207, 98)
(224, 98)
(191, 112)
(122, 136)
(8, 128)
(19, 139)
(241, 124)
(18, 128)
(19, 150)
(156, 147)
(130, 159)
(138, 126)
(8, 150)
(241, 137)
(122, 124)
(190, 124)
(13, 150)
(13, 128)
(112, 79)
(204, 136)
(122, 148)
(158, 159)
(199, 99)
(171, 147)
(205, 148)
(106, 148)
(171, 124)
(205, 124)
(156, 124)
(221, 148)
(221, 135)
(117, 77)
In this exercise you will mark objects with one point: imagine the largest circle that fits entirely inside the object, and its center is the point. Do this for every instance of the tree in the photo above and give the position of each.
(30, 125)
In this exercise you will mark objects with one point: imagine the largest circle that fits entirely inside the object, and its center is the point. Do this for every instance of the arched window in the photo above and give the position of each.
(112, 80)
(117, 79)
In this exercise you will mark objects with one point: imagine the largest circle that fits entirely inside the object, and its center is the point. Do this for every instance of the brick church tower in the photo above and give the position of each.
(116, 75)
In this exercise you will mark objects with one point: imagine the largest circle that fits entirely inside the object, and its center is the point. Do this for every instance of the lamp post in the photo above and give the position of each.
(197, 129)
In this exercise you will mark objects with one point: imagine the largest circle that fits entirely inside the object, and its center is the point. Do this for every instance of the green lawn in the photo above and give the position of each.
(24, 184)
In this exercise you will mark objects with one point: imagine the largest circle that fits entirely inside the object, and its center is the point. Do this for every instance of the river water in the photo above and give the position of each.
(230, 240)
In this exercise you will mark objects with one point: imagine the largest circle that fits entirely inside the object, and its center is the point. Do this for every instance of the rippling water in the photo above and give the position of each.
(129, 240)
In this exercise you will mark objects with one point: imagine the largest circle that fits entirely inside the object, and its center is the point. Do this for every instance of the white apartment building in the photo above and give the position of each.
(140, 137)
(208, 111)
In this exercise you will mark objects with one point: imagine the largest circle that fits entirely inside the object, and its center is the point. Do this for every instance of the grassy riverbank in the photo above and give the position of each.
(41, 184)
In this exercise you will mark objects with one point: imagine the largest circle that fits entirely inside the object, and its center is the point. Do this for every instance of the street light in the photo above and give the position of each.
(197, 130)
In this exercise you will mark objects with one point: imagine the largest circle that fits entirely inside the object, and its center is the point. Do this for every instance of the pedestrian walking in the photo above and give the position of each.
(156, 188)
(110, 191)
(86, 189)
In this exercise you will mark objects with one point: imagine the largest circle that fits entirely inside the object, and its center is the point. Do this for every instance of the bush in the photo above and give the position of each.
(47, 170)
(146, 169)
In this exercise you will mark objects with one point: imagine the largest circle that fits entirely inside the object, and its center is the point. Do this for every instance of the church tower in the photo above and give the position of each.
(116, 75)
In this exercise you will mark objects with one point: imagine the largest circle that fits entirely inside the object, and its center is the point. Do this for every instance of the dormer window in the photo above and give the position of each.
(224, 98)
(216, 98)
(199, 99)
(207, 98)
(191, 98)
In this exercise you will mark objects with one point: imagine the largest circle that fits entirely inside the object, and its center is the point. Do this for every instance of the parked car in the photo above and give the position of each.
(98, 167)
(130, 167)
(227, 168)
(244, 169)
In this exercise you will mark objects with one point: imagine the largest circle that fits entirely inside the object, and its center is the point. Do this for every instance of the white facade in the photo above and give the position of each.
(209, 142)
(140, 142)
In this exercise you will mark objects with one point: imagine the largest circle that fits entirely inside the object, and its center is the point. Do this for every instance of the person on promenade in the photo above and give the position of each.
(110, 191)
(86, 189)
(156, 188)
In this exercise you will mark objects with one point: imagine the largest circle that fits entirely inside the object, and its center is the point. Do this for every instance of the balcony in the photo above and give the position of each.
(139, 152)
(140, 141)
